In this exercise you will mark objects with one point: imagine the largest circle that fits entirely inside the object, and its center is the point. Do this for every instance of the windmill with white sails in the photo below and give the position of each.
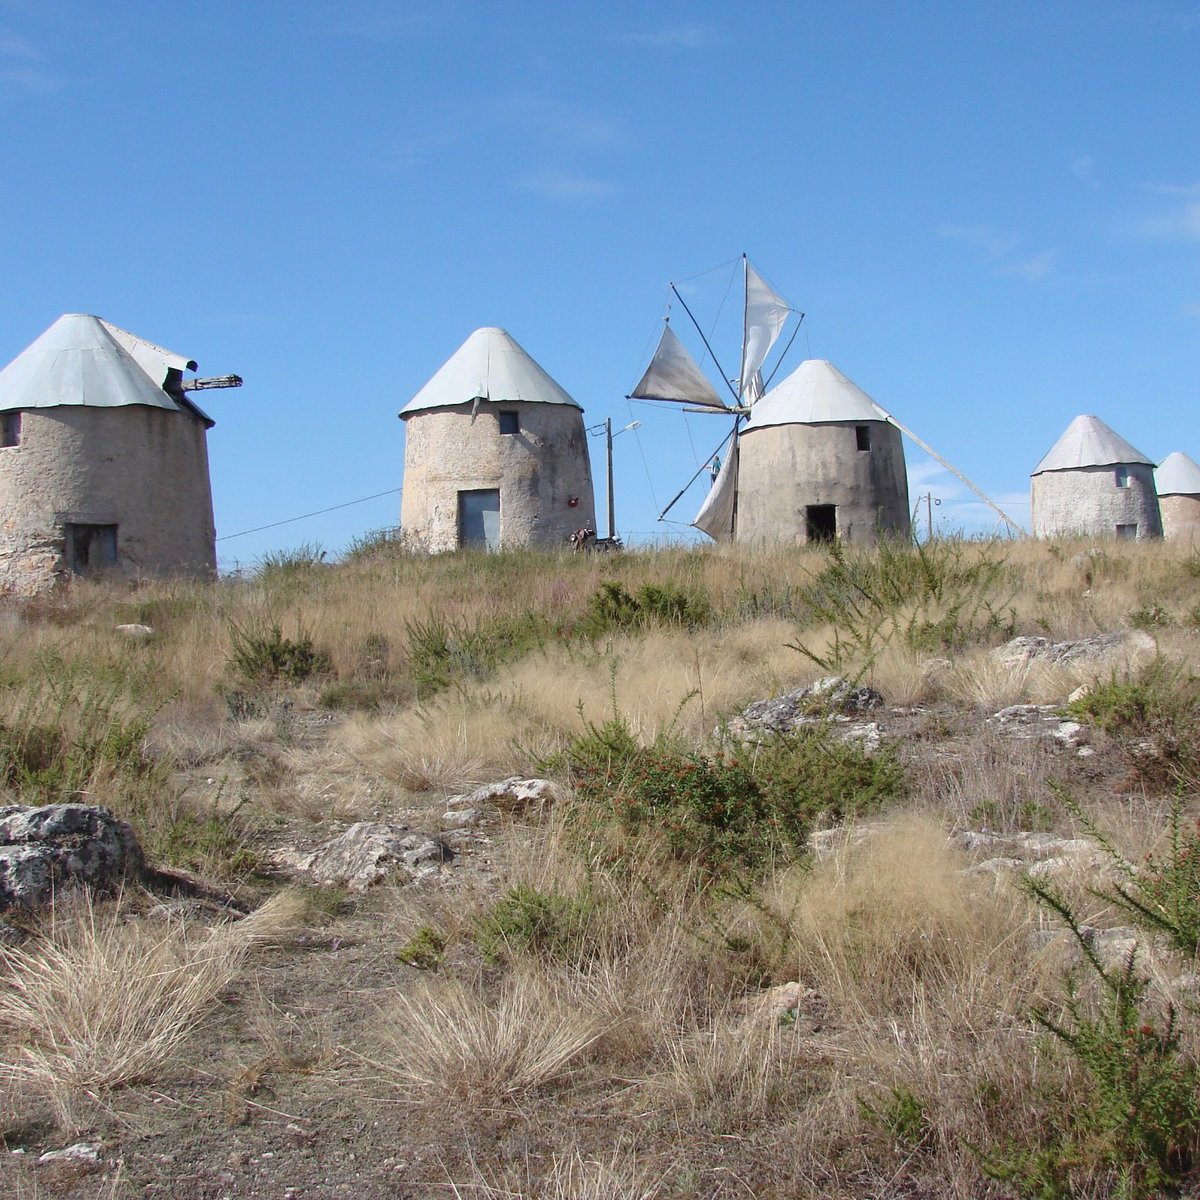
(812, 459)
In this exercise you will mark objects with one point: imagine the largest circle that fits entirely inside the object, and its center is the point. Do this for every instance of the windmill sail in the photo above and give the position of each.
(766, 315)
(717, 513)
(673, 374)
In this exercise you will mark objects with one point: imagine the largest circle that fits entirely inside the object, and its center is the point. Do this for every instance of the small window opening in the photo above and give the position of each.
(90, 547)
(1122, 474)
(10, 429)
(510, 422)
(820, 522)
(1126, 533)
(862, 435)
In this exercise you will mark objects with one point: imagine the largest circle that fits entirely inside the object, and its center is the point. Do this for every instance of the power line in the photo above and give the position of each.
(305, 516)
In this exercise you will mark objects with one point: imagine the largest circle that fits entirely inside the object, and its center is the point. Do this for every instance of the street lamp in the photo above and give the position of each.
(607, 430)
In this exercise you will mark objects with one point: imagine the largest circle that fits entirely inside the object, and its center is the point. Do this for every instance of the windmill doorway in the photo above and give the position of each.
(479, 520)
(820, 522)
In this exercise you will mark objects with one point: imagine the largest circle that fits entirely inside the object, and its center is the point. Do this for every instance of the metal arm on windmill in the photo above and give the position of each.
(214, 381)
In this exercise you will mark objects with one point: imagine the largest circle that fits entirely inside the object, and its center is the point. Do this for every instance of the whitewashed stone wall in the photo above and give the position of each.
(142, 469)
(1086, 502)
(537, 471)
(784, 468)
(1180, 517)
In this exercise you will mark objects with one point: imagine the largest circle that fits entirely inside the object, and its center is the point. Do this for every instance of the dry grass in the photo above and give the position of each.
(572, 1176)
(103, 1002)
(451, 1041)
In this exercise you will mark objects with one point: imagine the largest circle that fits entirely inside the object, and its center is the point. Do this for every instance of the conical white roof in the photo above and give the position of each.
(489, 365)
(1177, 475)
(1088, 442)
(82, 360)
(815, 392)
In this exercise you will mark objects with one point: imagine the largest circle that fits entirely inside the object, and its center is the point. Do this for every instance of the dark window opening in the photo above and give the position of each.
(10, 429)
(1126, 533)
(510, 422)
(90, 547)
(1122, 475)
(821, 522)
(479, 519)
(862, 435)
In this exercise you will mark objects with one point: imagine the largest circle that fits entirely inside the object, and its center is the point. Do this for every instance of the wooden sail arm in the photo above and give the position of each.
(215, 381)
(958, 475)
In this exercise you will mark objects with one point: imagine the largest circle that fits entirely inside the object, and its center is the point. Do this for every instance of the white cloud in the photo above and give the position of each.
(567, 186)
(554, 119)
(998, 249)
(1180, 223)
(991, 242)
(1034, 267)
(672, 37)
(1083, 167)
(20, 68)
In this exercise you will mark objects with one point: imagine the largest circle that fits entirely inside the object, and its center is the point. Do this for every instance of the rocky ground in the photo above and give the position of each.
(283, 1093)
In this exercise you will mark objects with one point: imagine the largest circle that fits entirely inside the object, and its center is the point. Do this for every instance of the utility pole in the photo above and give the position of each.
(612, 520)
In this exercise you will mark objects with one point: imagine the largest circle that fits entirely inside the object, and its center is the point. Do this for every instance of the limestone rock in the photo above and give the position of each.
(137, 633)
(830, 698)
(370, 851)
(47, 849)
(1104, 651)
(1041, 721)
(512, 795)
(87, 1153)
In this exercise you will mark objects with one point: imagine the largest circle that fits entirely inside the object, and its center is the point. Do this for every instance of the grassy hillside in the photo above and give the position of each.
(652, 986)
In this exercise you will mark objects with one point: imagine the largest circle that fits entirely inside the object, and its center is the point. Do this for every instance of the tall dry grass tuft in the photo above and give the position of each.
(572, 1176)
(451, 1041)
(733, 1069)
(981, 680)
(894, 917)
(103, 1002)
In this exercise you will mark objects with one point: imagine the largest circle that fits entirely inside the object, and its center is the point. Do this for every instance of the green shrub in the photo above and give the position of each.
(612, 606)
(941, 595)
(1160, 704)
(901, 1115)
(378, 543)
(1162, 894)
(1137, 1126)
(266, 656)
(738, 809)
(544, 923)
(442, 652)
(282, 565)
(67, 733)
(425, 950)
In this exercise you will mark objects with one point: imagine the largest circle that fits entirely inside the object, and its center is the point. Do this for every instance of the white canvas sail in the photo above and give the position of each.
(766, 315)
(717, 512)
(673, 374)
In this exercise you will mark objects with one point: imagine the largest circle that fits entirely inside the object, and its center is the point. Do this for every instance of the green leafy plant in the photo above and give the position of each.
(425, 950)
(1139, 1125)
(736, 809)
(613, 606)
(265, 656)
(444, 651)
(1162, 894)
(529, 920)
(901, 1115)
(941, 595)
(1159, 705)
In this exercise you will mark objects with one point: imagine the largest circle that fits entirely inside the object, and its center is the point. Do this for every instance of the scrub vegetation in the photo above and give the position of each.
(712, 966)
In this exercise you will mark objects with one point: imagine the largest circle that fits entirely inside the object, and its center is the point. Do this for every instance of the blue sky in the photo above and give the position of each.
(989, 212)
